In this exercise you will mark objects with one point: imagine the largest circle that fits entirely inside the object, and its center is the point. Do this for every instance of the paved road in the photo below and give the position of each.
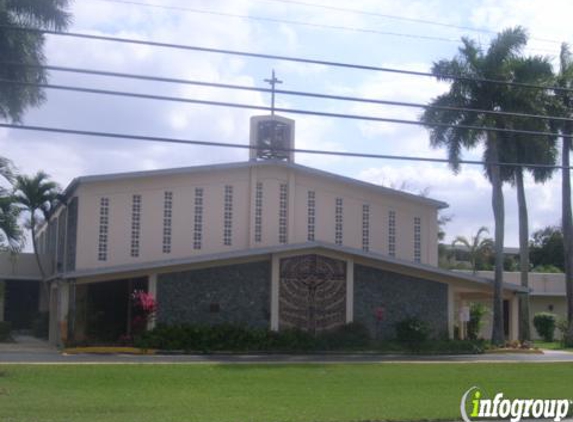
(30, 350)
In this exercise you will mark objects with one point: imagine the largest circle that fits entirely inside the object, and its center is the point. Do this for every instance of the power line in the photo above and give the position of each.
(282, 58)
(301, 23)
(281, 20)
(244, 146)
(285, 110)
(282, 91)
(395, 17)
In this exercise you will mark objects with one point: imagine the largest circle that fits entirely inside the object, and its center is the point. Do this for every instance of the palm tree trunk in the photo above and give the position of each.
(497, 335)
(524, 332)
(567, 224)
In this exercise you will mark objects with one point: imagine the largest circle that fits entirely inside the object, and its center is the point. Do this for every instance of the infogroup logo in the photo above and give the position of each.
(513, 409)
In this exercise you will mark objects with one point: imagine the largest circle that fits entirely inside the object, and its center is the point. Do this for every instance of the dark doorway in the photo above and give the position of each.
(21, 303)
(506, 318)
(108, 309)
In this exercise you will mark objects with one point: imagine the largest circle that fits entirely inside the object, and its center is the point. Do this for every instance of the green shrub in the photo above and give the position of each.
(227, 337)
(477, 312)
(41, 325)
(412, 332)
(545, 323)
(562, 325)
(5, 331)
(352, 336)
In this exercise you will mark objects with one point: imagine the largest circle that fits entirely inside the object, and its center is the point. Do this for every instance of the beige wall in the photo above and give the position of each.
(540, 283)
(244, 180)
(21, 266)
(547, 291)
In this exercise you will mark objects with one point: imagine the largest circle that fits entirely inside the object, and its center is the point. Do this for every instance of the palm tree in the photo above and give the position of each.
(471, 65)
(477, 246)
(10, 233)
(37, 196)
(526, 149)
(26, 47)
(565, 99)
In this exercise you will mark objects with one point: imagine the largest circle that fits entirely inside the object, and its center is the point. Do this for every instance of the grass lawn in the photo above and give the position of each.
(206, 393)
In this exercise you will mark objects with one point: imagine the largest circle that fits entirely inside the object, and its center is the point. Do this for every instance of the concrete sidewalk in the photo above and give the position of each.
(27, 349)
(52, 356)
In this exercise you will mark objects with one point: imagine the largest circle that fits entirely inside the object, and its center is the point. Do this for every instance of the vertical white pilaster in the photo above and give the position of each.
(514, 318)
(451, 311)
(291, 206)
(152, 291)
(250, 206)
(349, 290)
(275, 275)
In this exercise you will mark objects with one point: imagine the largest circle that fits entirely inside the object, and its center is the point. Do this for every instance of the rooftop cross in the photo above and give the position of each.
(273, 82)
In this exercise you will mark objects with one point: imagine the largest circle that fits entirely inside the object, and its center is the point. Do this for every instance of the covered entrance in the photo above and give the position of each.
(21, 303)
(103, 310)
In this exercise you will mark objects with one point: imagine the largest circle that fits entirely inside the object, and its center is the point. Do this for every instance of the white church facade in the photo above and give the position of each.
(264, 243)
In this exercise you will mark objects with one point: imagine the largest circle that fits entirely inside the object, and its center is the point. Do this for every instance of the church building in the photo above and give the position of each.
(263, 243)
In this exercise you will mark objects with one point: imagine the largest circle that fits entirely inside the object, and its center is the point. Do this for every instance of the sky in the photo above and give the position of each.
(384, 33)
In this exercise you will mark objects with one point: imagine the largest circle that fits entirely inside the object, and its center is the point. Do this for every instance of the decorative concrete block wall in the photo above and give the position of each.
(234, 294)
(400, 296)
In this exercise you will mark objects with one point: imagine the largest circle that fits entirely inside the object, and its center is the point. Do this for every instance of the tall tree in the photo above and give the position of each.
(477, 246)
(37, 196)
(526, 149)
(26, 47)
(565, 99)
(10, 233)
(546, 248)
(471, 65)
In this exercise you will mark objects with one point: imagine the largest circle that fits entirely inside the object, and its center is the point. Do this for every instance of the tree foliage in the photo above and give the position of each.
(26, 47)
(546, 248)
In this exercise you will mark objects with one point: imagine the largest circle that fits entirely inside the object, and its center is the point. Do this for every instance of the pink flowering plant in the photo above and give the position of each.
(144, 307)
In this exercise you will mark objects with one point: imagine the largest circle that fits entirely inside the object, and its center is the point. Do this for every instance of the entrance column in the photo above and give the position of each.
(275, 276)
(152, 291)
(451, 311)
(514, 318)
(349, 290)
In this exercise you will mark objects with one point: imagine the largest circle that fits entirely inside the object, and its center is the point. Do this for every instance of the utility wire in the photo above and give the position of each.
(300, 23)
(282, 20)
(284, 110)
(244, 146)
(393, 17)
(283, 58)
(282, 91)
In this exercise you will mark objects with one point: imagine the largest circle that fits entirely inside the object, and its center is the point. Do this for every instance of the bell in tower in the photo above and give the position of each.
(272, 137)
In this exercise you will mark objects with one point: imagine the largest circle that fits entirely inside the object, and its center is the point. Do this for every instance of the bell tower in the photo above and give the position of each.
(272, 136)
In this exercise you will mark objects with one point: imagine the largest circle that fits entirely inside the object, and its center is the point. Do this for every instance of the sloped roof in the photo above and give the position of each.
(252, 253)
(248, 164)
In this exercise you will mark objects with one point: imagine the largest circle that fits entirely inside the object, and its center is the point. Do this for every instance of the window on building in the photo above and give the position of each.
(259, 212)
(103, 228)
(311, 210)
(228, 216)
(167, 221)
(417, 239)
(283, 203)
(135, 225)
(338, 222)
(366, 227)
(392, 233)
(198, 222)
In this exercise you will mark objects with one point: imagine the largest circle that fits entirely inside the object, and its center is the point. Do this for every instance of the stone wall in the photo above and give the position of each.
(401, 296)
(236, 294)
